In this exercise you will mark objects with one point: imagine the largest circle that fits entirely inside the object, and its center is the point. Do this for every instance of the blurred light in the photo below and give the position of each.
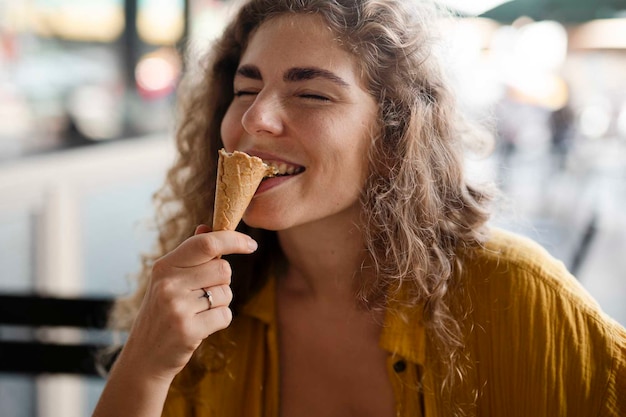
(545, 90)
(207, 23)
(600, 34)
(530, 57)
(154, 73)
(466, 49)
(16, 16)
(160, 22)
(157, 73)
(595, 120)
(537, 46)
(100, 21)
(542, 45)
(469, 37)
(93, 110)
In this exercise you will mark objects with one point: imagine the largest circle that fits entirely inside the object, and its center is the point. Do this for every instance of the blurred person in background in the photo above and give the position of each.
(366, 281)
(562, 128)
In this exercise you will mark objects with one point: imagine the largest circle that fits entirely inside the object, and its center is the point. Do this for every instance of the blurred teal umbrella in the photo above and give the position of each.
(470, 7)
(564, 11)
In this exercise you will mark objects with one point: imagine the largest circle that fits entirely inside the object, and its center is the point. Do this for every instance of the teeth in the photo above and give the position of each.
(284, 169)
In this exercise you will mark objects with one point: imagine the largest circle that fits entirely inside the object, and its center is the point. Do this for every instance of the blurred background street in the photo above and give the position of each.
(87, 91)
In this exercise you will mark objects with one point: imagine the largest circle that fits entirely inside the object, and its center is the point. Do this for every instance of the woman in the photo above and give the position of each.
(365, 280)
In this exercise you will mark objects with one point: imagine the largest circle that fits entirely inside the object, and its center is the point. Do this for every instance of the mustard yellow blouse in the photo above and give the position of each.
(538, 345)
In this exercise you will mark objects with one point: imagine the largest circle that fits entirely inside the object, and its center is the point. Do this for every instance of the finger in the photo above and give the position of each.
(214, 319)
(218, 296)
(170, 282)
(204, 247)
(214, 272)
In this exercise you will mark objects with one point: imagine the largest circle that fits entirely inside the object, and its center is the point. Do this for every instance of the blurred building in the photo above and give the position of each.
(86, 119)
(87, 90)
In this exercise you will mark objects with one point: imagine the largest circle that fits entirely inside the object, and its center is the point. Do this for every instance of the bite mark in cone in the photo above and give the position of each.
(238, 177)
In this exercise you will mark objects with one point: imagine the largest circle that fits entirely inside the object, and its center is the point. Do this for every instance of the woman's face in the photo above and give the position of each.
(300, 104)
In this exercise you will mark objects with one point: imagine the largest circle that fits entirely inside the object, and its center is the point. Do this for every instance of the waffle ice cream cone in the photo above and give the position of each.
(238, 177)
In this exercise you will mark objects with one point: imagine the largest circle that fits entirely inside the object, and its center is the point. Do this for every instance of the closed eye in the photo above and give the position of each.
(242, 93)
(314, 97)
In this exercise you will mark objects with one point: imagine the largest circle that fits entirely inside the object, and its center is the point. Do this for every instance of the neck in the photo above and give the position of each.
(324, 260)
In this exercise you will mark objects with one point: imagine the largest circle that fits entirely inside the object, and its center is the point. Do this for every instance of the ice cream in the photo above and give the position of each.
(238, 177)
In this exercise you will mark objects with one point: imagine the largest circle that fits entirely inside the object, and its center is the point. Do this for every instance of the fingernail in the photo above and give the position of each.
(252, 245)
(202, 228)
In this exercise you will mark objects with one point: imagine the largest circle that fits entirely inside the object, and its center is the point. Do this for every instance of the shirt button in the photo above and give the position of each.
(399, 366)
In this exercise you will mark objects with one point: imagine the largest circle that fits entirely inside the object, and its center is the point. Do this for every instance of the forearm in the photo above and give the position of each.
(129, 392)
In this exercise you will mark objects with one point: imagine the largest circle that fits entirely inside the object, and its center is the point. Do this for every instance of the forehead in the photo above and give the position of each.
(297, 24)
(297, 39)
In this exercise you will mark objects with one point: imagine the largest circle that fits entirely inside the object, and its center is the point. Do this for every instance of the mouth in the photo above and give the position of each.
(284, 169)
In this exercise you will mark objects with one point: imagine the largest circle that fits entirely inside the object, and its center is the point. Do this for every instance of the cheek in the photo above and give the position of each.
(230, 129)
(359, 158)
(355, 141)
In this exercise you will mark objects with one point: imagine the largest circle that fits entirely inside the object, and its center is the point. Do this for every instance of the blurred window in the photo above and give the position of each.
(68, 71)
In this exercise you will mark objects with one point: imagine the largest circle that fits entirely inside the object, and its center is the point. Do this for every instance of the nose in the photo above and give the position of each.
(264, 116)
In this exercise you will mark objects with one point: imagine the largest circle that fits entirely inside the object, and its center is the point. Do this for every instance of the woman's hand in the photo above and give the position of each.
(175, 317)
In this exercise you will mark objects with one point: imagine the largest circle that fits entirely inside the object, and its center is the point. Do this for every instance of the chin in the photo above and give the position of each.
(269, 220)
(262, 215)
(267, 224)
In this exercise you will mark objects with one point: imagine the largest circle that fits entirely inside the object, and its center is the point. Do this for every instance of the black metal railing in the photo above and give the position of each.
(34, 329)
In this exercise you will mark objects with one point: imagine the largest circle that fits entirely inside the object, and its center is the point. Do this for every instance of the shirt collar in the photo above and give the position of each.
(262, 305)
(402, 335)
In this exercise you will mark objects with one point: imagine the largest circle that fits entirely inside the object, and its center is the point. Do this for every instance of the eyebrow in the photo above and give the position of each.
(294, 74)
(309, 73)
(249, 71)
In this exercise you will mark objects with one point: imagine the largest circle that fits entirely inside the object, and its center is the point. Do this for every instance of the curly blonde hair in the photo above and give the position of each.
(419, 209)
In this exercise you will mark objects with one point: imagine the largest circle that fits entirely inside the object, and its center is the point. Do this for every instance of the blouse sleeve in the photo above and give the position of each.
(550, 348)
(614, 404)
